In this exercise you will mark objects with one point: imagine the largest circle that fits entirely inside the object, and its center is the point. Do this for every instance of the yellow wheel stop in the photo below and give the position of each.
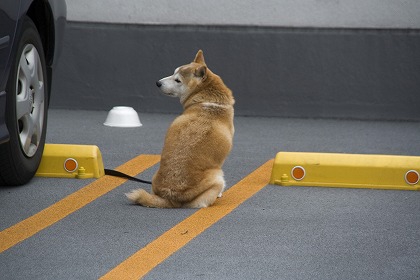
(71, 161)
(346, 170)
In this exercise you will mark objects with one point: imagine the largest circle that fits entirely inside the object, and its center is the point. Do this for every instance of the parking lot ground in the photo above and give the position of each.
(256, 231)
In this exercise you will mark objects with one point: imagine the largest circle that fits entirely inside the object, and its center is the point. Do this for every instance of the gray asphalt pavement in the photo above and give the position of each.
(279, 233)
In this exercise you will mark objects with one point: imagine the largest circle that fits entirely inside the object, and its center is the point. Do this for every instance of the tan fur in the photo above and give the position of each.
(196, 144)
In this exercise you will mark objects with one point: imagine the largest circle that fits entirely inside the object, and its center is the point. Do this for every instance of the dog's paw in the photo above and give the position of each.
(135, 195)
(220, 195)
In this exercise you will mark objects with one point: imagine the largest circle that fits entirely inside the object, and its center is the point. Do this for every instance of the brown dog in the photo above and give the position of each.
(196, 144)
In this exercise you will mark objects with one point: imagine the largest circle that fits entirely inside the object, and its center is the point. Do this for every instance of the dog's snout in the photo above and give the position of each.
(159, 83)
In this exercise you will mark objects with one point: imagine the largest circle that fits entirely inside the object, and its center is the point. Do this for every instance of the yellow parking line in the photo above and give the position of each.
(140, 263)
(73, 202)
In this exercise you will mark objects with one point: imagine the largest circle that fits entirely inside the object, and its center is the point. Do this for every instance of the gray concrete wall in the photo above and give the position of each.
(285, 13)
(321, 72)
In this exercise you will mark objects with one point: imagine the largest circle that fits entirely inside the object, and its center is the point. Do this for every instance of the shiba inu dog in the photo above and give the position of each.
(197, 142)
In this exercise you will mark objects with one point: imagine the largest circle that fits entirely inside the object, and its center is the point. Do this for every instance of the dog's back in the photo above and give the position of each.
(196, 145)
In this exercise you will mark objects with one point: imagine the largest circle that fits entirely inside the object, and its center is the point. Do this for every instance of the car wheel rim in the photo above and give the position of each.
(30, 96)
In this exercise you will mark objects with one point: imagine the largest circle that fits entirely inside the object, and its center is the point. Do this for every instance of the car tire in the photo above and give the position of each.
(26, 109)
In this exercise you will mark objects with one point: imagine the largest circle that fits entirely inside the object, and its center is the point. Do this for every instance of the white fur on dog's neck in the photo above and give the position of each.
(183, 98)
(211, 104)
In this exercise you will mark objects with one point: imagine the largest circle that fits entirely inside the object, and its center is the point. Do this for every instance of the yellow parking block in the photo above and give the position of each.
(71, 161)
(346, 170)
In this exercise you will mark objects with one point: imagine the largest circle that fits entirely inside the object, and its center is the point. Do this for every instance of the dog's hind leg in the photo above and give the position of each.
(205, 199)
(213, 190)
(219, 178)
(144, 198)
(223, 188)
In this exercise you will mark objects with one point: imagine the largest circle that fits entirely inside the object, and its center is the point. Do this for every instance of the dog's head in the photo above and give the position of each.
(186, 79)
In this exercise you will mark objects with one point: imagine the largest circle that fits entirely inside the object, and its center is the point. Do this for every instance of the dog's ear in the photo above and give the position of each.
(199, 58)
(201, 72)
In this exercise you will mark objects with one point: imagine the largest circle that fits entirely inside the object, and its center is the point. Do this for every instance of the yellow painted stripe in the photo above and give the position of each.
(73, 202)
(140, 263)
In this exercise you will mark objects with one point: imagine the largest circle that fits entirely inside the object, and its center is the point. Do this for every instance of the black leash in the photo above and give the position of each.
(116, 173)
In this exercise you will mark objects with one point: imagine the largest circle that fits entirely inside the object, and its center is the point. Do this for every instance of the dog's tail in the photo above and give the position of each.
(144, 198)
